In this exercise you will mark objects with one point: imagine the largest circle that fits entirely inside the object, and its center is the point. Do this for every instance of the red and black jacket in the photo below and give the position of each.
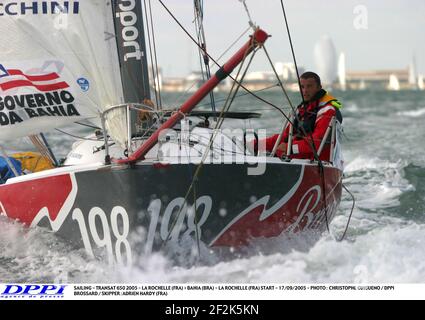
(310, 125)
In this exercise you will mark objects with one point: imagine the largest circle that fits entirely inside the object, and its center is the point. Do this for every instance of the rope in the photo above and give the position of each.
(310, 142)
(251, 23)
(218, 65)
(200, 165)
(49, 150)
(279, 139)
(180, 96)
(233, 43)
(87, 125)
(75, 136)
(292, 48)
(349, 217)
(244, 94)
(199, 23)
(154, 70)
(159, 103)
(41, 147)
(235, 81)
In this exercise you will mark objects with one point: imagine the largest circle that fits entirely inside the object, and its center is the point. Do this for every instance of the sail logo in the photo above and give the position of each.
(15, 79)
(84, 84)
(129, 31)
(50, 99)
(39, 7)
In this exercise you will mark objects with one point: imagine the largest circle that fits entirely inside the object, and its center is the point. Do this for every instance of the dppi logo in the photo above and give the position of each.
(31, 290)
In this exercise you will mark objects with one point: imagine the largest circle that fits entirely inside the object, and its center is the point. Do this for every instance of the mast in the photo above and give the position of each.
(131, 45)
(257, 39)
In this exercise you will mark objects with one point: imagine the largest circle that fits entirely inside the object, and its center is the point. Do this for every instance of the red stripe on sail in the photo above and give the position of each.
(44, 77)
(24, 83)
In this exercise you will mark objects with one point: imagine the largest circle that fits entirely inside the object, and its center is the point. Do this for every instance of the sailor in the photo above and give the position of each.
(309, 126)
(145, 116)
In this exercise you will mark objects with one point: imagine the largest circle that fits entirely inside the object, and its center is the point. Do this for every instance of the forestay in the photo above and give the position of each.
(58, 64)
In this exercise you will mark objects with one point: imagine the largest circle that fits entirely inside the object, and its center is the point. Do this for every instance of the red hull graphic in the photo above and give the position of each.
(304, 209)
(23, 201)
(84, 205)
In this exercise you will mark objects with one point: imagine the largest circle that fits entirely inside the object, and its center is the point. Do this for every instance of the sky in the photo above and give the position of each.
(373, 34)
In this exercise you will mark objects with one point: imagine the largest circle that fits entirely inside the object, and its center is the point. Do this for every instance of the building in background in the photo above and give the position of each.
(342, 79)
(332, 70)
(326, 61)
(413, 75)
(393, 79)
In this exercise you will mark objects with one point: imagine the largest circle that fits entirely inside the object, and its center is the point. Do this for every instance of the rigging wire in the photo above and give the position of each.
(245, 93)
(311, 142)
(150, 53)
(251, 23)
(349, 217)
(88, 125)
(153, 55)
(199, 24)
(182, 94)
(279, 82)
(292, 48)
(75, 136)
(212, 59)
(212, 138)
(40, 142)
(230, 101)
(49, 150)
(279, 139)
(234, 43)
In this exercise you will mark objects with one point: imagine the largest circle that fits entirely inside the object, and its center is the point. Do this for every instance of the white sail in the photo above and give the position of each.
(421, 82)
(412, 73)
(393, 83)
(341, 72)
(58, 64)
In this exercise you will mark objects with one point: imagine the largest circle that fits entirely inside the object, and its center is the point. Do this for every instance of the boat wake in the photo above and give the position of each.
(371, 254)
(35, 255)
(377, 183)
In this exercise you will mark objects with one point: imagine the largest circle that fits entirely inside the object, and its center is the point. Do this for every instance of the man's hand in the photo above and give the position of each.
(282, 147)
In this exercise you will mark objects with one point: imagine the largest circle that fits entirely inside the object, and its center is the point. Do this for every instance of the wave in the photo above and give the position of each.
(373, 253)
(384, 254)
(35, 255)
(363, 163)
(351, 107)
(412, 113)
(377, 183)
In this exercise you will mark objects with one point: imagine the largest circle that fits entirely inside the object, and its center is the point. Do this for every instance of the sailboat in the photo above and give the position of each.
(393, 83)
(421, 82)
(342, 72)
(160, 175)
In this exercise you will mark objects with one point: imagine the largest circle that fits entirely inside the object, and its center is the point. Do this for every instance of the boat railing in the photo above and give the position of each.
(331, 131)
(334, 130)
(125, 121)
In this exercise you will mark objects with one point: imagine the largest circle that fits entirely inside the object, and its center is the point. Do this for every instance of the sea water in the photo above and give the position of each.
(384, 152)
